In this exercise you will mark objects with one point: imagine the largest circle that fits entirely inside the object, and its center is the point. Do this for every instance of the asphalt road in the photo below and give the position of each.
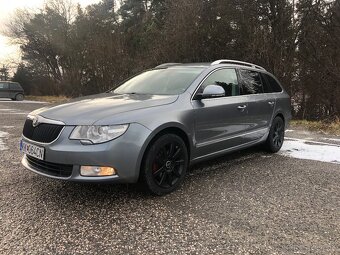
(243, 203)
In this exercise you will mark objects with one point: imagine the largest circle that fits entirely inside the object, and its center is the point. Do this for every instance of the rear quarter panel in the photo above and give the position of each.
(283, 106)
(14, 91)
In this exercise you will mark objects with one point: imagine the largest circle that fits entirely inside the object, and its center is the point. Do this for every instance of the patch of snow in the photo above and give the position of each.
(313, 142)
(22, 102)
(332, 139)
(305, 149)
(2, 143)
(289, 130)
(12, 112)
(17, 113)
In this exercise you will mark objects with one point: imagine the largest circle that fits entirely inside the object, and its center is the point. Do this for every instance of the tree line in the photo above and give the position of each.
(76, 51)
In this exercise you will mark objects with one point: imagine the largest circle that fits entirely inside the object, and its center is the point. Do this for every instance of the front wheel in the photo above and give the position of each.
(165, 164)
(276, 135)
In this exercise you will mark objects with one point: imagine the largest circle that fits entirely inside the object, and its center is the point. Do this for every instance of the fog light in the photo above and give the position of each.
(97, 171)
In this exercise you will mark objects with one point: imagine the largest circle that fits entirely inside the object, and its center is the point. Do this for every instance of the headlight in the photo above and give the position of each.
(98, 134)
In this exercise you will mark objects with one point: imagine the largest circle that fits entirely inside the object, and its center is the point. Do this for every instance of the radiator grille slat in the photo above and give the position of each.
(43, 133)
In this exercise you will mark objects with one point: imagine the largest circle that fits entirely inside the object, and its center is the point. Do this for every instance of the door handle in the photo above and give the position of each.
(271, 103)
(242, 107)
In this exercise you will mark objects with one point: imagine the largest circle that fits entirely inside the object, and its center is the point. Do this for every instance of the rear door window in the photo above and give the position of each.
(251, 82)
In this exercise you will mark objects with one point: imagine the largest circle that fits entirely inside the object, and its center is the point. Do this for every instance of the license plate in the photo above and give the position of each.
(32, 150)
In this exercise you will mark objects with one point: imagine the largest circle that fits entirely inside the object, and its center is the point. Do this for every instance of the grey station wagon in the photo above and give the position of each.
(154, 125)
(11, 90)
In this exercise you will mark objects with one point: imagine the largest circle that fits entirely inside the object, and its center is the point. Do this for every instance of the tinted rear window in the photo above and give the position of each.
(266, 86)
(274, 85)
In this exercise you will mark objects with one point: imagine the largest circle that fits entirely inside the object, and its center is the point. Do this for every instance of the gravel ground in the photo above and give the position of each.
(248, 202)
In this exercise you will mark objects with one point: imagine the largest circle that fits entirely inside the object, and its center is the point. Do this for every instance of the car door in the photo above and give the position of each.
(260, 105)
(220, 122)
(15, 88)
(4, 90)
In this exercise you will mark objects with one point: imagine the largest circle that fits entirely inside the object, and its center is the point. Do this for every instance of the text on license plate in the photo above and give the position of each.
(32, 150)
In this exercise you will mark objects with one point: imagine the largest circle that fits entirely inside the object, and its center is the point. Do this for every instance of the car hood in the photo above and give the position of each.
(88, 110)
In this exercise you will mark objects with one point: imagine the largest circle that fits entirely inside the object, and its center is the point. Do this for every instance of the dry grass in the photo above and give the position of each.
(320, 126)
(50, 99)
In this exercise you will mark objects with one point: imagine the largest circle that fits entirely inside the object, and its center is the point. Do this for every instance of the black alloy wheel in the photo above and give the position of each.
(165, 164)
(276, 135)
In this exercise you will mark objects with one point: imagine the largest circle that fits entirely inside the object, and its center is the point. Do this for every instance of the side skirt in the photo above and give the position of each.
(229, 150)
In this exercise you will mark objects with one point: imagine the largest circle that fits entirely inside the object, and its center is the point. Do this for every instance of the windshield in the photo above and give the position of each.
(171, 81)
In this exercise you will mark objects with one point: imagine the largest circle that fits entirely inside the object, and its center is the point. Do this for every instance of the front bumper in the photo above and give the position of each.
(124, 154)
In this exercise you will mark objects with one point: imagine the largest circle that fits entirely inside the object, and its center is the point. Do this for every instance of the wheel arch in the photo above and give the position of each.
(285, 120)
(169, 128)
(280, 114)
(18, 93)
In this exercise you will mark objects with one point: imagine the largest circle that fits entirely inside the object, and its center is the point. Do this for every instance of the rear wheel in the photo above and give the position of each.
(19, 97)
(165, 164)
(276, 135)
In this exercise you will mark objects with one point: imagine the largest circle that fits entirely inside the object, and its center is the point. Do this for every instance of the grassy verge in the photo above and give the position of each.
(320, 126)
(50, 99)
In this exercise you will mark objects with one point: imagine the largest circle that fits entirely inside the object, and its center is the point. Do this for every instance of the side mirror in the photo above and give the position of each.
(212, 91)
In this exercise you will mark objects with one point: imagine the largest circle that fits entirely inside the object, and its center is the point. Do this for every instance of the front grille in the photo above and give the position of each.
(53, 169)
(43, 133)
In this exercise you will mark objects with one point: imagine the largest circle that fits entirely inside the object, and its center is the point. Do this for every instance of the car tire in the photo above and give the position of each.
(165, 165)
(19, 97)
(276, 135)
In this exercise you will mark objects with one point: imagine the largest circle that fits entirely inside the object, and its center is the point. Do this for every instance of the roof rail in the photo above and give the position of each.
(236, 62)
(165, 65)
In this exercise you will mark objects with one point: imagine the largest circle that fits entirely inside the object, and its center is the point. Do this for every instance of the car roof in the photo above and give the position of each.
(9, 82)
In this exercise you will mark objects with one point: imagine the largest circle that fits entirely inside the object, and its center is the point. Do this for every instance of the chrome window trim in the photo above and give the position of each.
(236, 69)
